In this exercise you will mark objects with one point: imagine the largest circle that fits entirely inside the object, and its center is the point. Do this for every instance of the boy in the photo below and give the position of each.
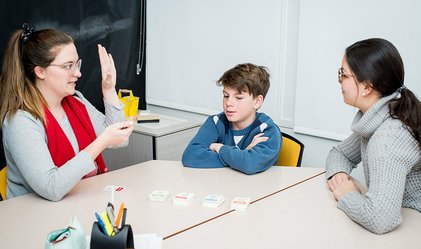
(239, 137)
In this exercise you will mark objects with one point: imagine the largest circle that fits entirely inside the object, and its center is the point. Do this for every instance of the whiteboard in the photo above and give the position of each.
(191, 43)
(326, 28)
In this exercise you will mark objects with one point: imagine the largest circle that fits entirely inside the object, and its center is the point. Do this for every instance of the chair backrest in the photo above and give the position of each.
(3, 170)
(3, 183)
(291, 152)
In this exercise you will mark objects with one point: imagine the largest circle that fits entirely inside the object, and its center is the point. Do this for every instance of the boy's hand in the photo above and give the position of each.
(257, 139)
(216, 147)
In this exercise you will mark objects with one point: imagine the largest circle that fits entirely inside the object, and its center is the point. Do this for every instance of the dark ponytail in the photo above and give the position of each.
(407, 108)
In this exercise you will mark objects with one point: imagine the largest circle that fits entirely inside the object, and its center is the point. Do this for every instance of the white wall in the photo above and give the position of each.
(326, 28)
(190, 43)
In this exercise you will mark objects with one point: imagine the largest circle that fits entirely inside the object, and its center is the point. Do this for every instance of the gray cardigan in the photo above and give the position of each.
(30, 166)
(391, 159)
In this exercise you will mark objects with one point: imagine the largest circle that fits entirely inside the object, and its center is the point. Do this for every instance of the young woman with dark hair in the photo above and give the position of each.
(385, 138)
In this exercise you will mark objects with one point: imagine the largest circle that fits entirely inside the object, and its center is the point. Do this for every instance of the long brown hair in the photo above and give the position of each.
(25, 51)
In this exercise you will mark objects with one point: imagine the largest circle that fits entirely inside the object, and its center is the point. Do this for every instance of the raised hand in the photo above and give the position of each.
(108, 71)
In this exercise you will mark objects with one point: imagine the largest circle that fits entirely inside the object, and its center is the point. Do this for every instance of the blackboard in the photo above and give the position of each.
(117, 25)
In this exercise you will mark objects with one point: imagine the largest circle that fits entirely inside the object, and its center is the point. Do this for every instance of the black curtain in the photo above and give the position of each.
(120, 26)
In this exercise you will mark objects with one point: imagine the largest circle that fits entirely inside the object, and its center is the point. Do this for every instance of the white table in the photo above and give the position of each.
(304, 216)
(27, 220)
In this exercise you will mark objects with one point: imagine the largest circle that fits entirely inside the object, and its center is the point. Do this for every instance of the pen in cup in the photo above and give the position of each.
(111, 217)
(107, 224)
(120, 213)
(100, 223)
(123, 222)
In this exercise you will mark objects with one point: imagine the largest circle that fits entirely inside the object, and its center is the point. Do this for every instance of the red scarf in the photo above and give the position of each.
(59, 145)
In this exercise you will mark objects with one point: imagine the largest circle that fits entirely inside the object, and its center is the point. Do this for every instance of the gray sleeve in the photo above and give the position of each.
(113, 114)
(392, 153)
(344, 156)
(26, 143)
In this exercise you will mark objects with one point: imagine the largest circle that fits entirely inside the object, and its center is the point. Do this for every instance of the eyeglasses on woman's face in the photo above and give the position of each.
(70, 67)
(342, 74)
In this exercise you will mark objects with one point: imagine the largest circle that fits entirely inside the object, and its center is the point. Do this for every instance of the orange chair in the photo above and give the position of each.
(3, 183)
(3, 170)
(291, 152)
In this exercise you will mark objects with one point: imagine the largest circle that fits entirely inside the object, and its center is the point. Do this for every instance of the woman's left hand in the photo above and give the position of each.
(345, 187)
(108, 71)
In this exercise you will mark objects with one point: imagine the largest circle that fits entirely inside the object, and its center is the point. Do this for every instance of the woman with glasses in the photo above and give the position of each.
(386, 138)
(52, 136)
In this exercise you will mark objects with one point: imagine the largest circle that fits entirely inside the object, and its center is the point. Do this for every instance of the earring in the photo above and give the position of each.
(363, 94)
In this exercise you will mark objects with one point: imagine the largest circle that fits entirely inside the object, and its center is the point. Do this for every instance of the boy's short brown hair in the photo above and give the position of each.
(247, 77)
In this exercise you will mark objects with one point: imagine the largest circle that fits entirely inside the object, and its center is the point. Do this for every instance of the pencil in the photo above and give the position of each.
(120, 213)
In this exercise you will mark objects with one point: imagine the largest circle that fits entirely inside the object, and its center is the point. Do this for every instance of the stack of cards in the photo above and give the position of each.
(183, 199)
(159, 195)
(213, 201)
(114, 188)
(147, 117)
(240, 203)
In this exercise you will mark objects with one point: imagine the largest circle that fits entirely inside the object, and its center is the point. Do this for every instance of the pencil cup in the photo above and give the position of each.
(122, 240)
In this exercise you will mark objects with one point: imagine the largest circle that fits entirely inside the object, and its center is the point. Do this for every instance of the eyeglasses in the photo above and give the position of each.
(70, 67)
(342, 74)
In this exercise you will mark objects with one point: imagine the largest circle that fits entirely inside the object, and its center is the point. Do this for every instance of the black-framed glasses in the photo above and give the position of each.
(70, 67)
(342, 74)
